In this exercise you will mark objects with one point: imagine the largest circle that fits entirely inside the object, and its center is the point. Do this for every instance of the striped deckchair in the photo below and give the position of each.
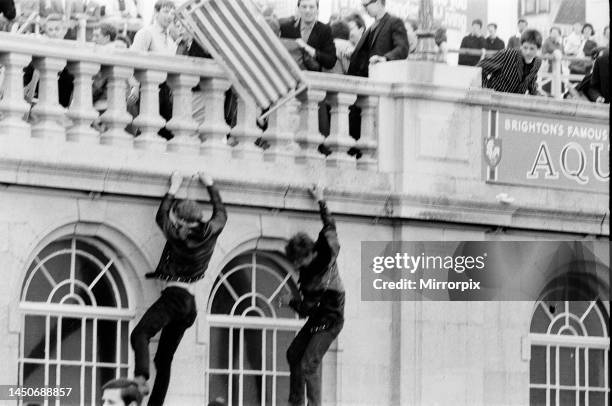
(238, 37)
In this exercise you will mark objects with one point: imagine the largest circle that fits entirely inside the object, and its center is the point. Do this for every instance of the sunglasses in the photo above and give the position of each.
(365, 5)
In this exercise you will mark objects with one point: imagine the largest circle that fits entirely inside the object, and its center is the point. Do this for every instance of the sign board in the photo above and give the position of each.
(546, 152)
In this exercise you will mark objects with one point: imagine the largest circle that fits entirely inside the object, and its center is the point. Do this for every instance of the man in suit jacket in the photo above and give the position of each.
(385, 40)
(314, 37)
(7, 9)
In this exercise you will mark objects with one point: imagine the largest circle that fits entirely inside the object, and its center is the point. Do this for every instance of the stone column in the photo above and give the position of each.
(368, 141)
(182, 124)
(49, 115)
(12, 105)
(308, 136)
(116, 117)
(339, 140)
(213, 130)
(246, 131)
(149, 121)
(82, 112)
(279, 137)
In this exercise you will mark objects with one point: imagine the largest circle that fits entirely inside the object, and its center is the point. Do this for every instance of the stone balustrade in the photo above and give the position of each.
(291, 134)
(420, 146)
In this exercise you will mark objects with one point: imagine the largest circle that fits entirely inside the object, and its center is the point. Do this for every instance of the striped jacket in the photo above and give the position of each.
(503, 72)
(187, 260)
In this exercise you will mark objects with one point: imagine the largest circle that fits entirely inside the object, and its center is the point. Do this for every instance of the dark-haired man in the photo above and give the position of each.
(385, 40)
(121, 392)
(321, 299)
(312, 36)
(493, 42)
(474, 40)
(190, 244)
(514, 42)
(514, 70)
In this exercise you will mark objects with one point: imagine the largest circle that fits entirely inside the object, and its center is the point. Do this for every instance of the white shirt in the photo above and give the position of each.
(153, 38)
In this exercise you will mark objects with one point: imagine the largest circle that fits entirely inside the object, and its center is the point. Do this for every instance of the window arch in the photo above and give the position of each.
(75, 319)
(249, 334)
(569, 353)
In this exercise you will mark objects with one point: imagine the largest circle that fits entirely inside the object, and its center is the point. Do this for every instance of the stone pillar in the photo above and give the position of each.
(116, 117)
(246, 131)
(49, 115)
(279, 137)
(182, 124)
(308, 136)
(368, 141)
(149, 121)
(213, 130)
(339, 140)
(81, 110)
(12, 105)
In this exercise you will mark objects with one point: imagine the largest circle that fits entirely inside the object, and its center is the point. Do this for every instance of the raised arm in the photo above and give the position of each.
(162, 218)
(327, 244)
(219, 215)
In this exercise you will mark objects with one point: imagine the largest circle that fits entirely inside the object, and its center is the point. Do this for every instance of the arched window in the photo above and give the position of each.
(249, 334)
(569, 354)
(75, 320)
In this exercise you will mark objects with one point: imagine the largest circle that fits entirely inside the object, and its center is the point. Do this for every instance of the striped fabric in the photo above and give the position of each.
(237, 36)
(504, 72)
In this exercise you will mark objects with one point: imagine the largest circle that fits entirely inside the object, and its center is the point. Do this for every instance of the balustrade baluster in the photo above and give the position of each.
(12, 105)
(213, 130)
(48, 115)
(368, 141)
(182, 124)
(116, 117)
(339, 140)
(308, 136)
(82, 112)
(279, 137)
(246, 131)
(149, 121)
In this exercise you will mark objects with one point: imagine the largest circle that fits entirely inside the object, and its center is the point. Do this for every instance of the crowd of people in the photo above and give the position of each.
(580, 53)
(344, 45)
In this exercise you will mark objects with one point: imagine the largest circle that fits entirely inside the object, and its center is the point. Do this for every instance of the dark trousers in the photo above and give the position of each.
(304, 356)
(173, 313)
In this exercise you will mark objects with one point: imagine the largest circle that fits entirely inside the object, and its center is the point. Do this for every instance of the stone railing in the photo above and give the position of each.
(292, 132)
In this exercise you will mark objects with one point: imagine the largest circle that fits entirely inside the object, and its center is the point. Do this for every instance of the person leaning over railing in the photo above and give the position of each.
(599, 89)
(514, 70)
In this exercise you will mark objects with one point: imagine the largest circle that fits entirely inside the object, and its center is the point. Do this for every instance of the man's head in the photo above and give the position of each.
(356, 26)
(522, 25)
(374, 8)
(531, 42)
(308, 10)
(55, 26)
(185, 215)
(340, 30)
(476, 26)
(164, 13)
(300, 250)
(121, 392)
(104, 34)
(555, 33)
(492, 28)
(577, 28)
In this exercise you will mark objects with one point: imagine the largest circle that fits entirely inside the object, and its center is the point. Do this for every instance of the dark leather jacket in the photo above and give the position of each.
(186, 260)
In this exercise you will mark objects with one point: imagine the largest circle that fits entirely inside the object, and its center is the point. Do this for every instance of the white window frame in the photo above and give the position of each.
(81, 311)
(580, 340)
(241, 322)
